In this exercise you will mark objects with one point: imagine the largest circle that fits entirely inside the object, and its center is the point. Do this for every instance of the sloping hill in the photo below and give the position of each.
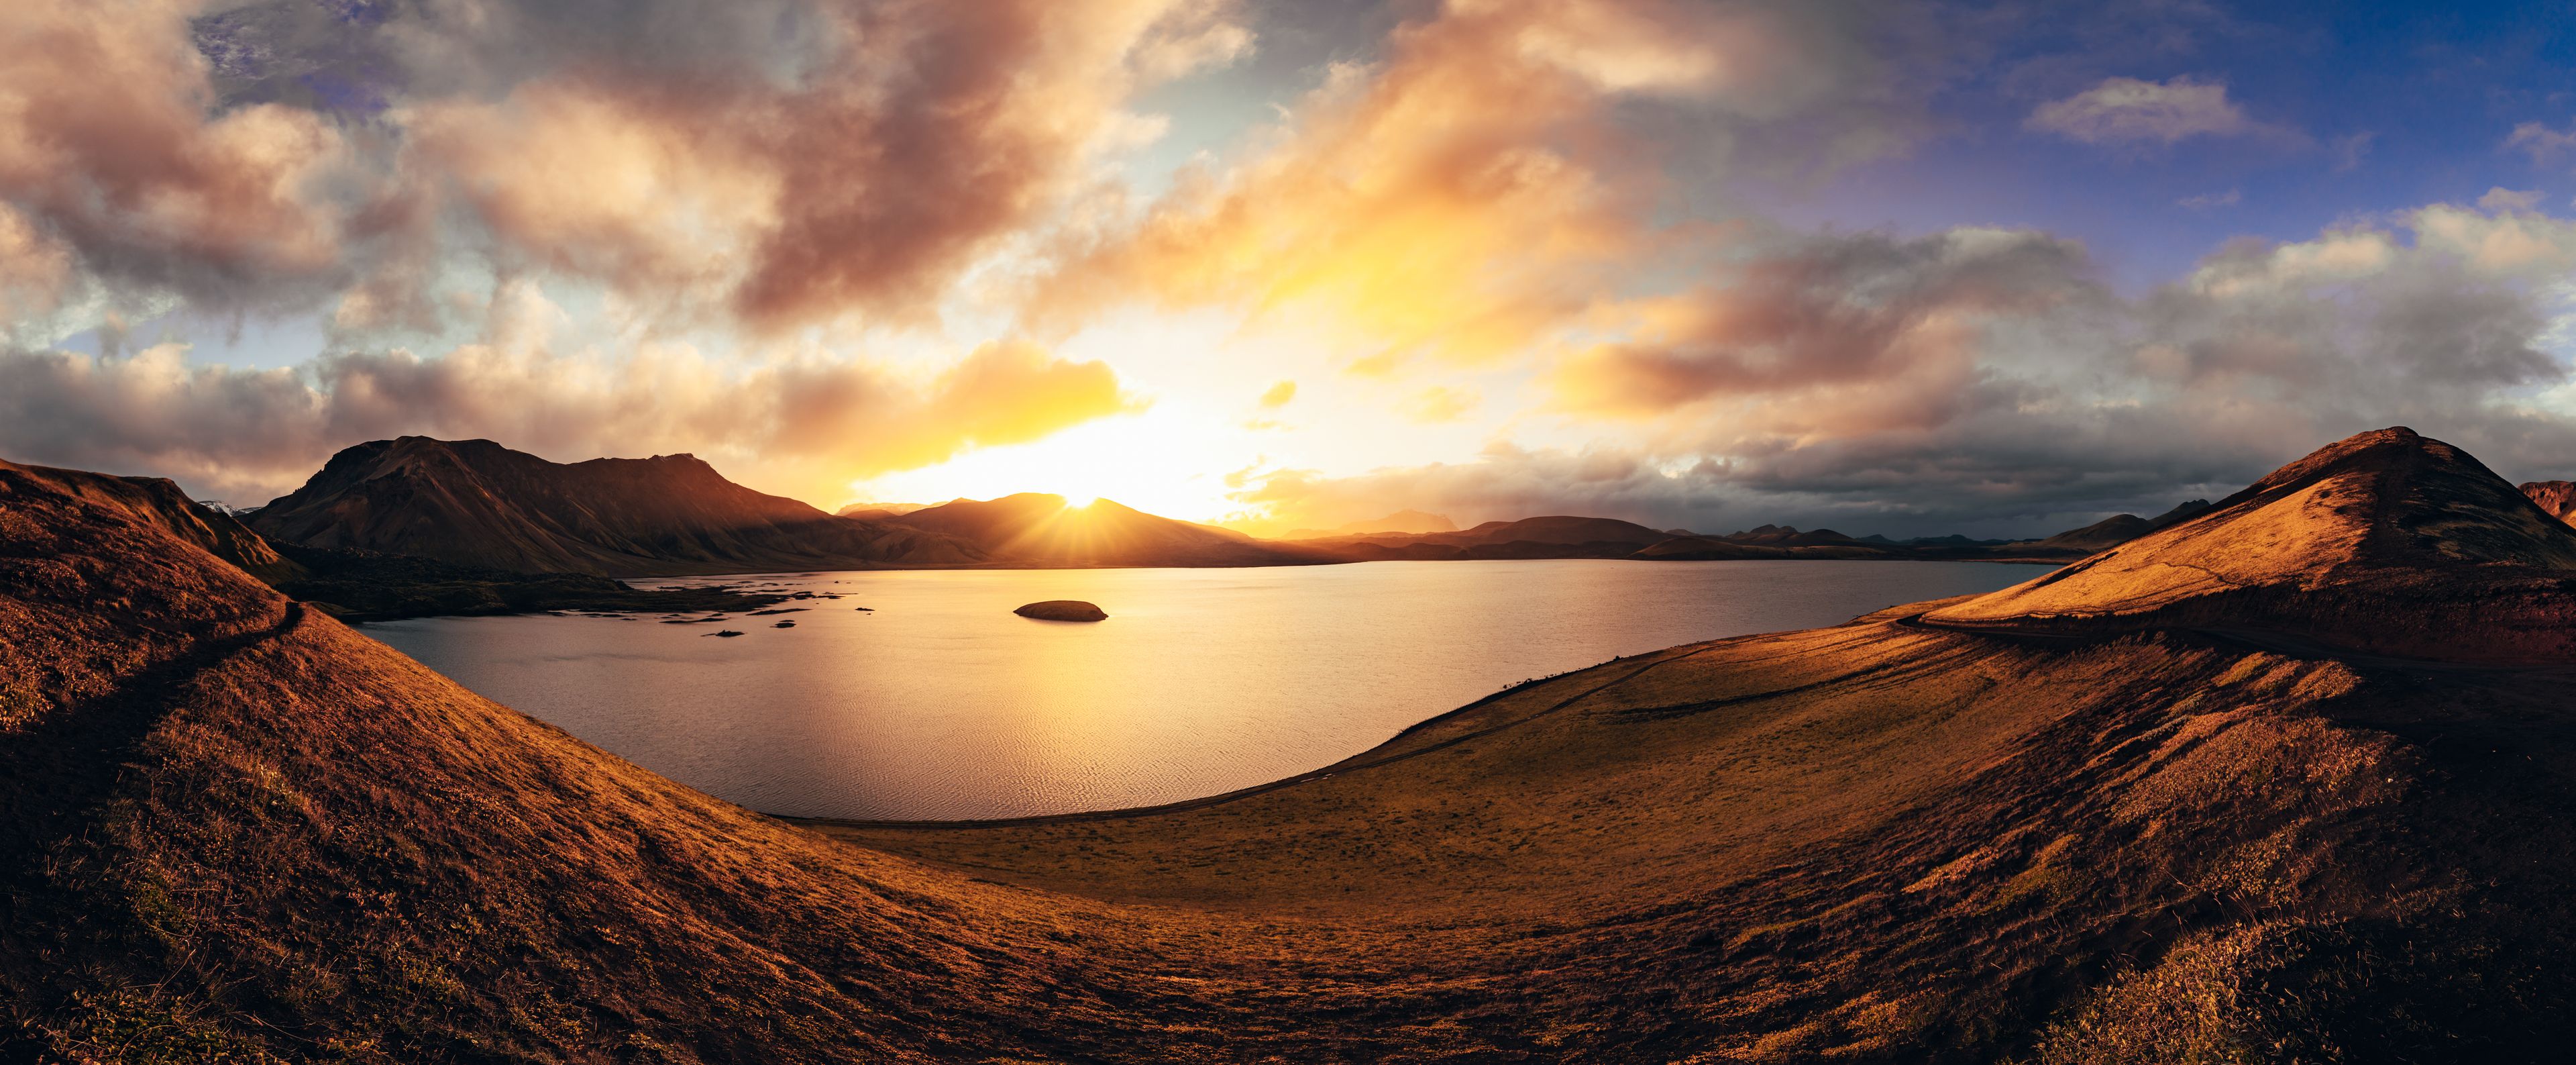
(2384, 542)
(2558, 498)
(1034, 528)
(476, 503)
(158, 501)
(233, 830)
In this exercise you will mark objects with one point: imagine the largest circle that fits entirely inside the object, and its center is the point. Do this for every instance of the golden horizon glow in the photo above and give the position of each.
(1157, 462)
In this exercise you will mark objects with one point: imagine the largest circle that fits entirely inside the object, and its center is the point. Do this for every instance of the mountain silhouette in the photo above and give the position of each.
(476, 503)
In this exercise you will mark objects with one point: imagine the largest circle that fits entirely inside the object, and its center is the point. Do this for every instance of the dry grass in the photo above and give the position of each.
(237, 831)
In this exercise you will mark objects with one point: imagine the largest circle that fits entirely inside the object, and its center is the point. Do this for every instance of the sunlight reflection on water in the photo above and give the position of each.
(943, 704)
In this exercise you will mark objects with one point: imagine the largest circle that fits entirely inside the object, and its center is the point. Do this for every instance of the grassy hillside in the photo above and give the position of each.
(236, 830)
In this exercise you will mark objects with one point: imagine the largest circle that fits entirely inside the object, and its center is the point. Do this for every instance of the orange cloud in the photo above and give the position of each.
(35, 270)
(1440, 403)
(776, 163)
(804, 425)
(1836, 335)
(585, 180)
(1470, 194)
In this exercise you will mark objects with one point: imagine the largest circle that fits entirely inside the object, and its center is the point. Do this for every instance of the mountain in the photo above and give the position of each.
(1402, 521)
(158, 502)
(1561, 529)
(2556, 497)
(1553, 536)
(476, 503)
(479, 505)
(2120, 528)
(876, 511)
(1038, 529)
(231, 829)
(1574, 537)
(2385, 542)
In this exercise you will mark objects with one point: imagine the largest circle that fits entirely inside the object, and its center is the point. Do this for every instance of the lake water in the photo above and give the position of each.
(940, 703)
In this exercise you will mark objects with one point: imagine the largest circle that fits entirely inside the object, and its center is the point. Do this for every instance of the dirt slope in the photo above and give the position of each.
(238, 829)
(2386, 542)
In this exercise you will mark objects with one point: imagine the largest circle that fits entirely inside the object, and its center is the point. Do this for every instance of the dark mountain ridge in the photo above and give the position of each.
(476, 503)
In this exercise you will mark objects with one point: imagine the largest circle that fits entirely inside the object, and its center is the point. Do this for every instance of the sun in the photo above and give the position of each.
(1162, 462)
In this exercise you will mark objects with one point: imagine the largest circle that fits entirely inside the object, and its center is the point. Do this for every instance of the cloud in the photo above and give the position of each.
(1992, 382)
(2544, 144)
(1278, 395)
(1440, 403)
(1831, 332)
(36, 275)
(769, 163)
(2209, 201)
(2503, 200)
(1504, 483)
(1477, 187)
(2130, 110)
(113, 158)
(804, 422)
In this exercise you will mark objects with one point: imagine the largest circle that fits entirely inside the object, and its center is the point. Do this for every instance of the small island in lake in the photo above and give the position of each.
(1062, 610)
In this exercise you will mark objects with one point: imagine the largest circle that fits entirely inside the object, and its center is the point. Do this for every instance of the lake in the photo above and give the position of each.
(940, 703)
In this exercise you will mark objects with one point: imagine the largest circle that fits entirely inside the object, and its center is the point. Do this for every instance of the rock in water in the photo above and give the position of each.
(1062, 610)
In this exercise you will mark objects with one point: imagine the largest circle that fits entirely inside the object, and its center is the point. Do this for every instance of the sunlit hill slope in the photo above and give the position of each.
(2152, 809)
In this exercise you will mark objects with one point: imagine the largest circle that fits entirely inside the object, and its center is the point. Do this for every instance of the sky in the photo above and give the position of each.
(1913, 269)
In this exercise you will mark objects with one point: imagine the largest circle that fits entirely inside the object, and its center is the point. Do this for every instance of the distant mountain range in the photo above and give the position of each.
(2121, 528)
(1038, 529)
(1402, 521)
(1578, 537)
(477, 504)
(872, 511)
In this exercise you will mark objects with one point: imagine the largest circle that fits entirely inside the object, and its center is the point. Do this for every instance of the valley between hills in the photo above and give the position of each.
(2287, 779)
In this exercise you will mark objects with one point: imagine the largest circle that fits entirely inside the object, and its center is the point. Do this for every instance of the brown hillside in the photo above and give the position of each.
(476, 503)
(158, 501)
(2386, 542)
(2556, 497)
(240, 831)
